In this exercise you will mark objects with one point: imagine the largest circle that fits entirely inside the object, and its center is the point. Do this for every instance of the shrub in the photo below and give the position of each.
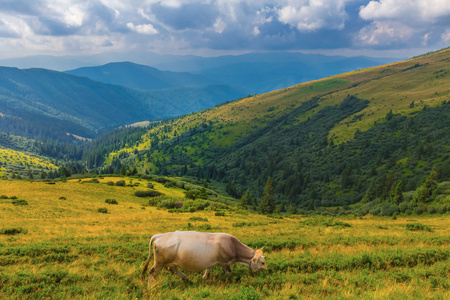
(417, 227)
(13, 197)
(3, 197)
(169, 203)
(323, 221)
(168, 184)
(12, 231)
(431, 210)
(154, 201)
(20, 202)
(149, 193)
(205, 227)
(403, 206)
(442, 209)
(62, 198)
(219, 214)
(150, 185)
(198, 219)
(110, 183)
(93, 180)
(120, 183)
(111, 201)
(388, 210)
(102, 210)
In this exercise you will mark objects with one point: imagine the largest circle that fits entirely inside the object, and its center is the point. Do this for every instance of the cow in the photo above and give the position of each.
(197, 251)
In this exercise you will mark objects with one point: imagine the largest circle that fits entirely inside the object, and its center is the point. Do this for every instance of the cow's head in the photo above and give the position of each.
(258, 261)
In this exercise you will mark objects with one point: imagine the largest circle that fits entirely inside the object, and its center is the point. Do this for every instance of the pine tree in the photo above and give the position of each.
(244, 200)
(267, 205)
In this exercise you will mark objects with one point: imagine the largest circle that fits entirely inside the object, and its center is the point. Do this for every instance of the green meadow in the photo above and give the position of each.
(88, 239)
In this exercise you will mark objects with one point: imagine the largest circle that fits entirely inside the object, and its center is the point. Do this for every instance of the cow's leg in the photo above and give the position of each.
(227, 269)
(152, 273)
(206, 273)
(175, 270)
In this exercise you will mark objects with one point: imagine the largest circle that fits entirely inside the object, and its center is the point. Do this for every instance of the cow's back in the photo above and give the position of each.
(193, 251)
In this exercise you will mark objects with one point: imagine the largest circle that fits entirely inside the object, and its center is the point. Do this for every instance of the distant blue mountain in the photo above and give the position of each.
(47, 104)
(253, 73)
(140, 77)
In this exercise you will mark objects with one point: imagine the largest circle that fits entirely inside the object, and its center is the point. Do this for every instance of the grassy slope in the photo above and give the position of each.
(15, 161)
(70, 251)
(423, 80)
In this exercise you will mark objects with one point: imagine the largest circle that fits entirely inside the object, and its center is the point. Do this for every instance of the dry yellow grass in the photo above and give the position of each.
(94, 255)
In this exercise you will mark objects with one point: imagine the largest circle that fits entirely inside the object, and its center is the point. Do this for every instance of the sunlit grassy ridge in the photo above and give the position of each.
(402, 87)
(15, 160)
(67, 249)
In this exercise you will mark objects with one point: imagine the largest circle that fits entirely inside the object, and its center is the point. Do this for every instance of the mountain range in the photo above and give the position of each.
(46, 104)
(252, 73)
(344, 140)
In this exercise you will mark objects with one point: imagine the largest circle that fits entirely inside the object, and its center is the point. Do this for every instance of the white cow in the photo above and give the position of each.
(197, 251)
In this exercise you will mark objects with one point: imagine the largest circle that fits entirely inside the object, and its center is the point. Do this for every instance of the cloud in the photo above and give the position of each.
(385, 33)
(314, 14)
(406, 11)
(404, 22)
(71, 26)
(446, 36)
(143, 29)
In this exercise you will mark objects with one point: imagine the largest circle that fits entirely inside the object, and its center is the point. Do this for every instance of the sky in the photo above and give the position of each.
(217, 27)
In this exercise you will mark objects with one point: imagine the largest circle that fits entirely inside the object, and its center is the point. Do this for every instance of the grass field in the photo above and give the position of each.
(58, 246)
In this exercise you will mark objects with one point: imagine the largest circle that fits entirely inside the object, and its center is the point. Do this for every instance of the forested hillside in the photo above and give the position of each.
(332, 142)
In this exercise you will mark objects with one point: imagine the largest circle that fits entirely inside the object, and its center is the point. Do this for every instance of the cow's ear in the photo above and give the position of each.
(254, 260)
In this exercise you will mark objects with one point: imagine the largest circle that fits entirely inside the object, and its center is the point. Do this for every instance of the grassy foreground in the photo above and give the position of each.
(59, 246)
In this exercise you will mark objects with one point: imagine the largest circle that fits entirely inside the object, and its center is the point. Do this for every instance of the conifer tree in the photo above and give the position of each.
(267, 205)
(244, 200)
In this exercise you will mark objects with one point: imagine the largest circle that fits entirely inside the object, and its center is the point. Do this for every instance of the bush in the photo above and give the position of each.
(120, 183)
(110, 183)
(388, 210)
(417, 227)
(205, 227)
(403, 206)
(324, 221)
(62, 198)
(3, 197)
(168, 184)
(150, 185)
(149, 193)
(442, 209)
(93, 180)
(431, 210)
(20, 202)
(111, 201)
(219, 214)
(12, 231)
(102, 210)
(170, 203)
(198, 219)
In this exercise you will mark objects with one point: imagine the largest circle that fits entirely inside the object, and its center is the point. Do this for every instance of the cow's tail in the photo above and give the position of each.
(149, 254)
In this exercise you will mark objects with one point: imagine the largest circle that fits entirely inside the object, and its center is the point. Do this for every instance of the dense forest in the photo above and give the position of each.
(308, 170)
